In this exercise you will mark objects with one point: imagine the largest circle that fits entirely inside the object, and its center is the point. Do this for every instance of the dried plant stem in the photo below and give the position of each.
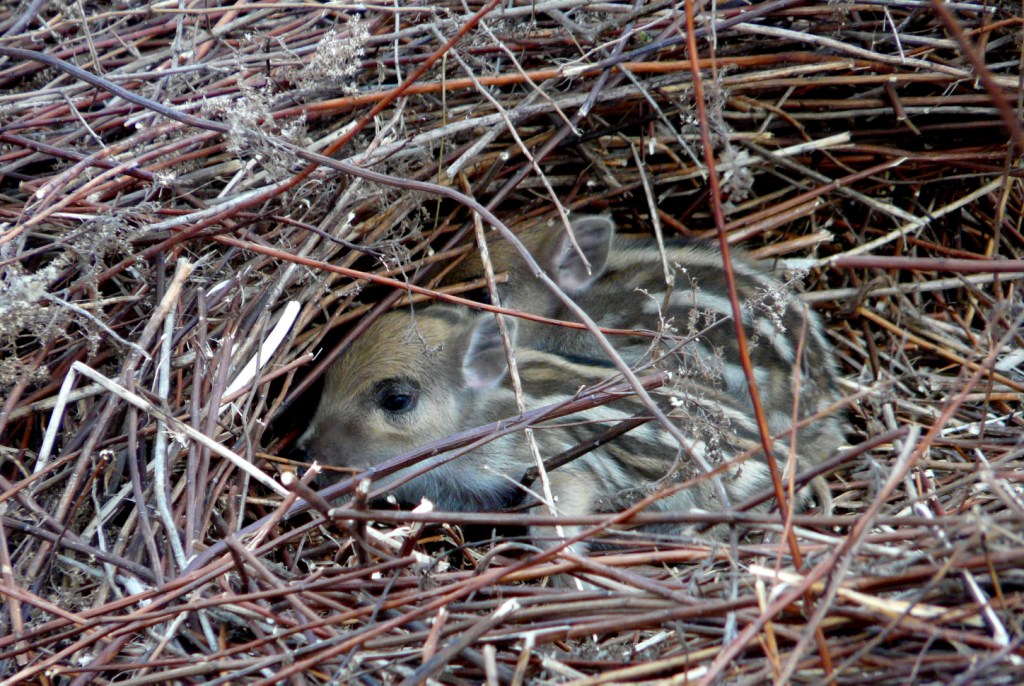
(161, 450)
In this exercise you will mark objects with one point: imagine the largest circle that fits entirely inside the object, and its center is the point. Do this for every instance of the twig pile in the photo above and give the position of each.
(196, 197)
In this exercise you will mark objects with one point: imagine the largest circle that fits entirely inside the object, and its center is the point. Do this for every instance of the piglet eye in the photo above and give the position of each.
(395, 396)
(397, 402)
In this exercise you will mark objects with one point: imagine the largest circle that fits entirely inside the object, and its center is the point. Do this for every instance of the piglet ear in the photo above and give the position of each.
(485, 363)
(593, 234)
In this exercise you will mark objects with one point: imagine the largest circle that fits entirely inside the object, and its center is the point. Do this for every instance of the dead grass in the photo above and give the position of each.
(180, 185)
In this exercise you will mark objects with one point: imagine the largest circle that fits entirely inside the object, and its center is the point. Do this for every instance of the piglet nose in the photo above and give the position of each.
(301, 450)
(305, 440)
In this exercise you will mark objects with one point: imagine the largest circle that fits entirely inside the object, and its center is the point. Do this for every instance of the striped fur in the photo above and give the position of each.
(627, 289)
(418, 376)
(414, 377)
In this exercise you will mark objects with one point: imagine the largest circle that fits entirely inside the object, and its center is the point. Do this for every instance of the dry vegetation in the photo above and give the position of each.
(185, 188)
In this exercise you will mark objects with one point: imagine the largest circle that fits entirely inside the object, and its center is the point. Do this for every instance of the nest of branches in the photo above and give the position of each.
(201, 207)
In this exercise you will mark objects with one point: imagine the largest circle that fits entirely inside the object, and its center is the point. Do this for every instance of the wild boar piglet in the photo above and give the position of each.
(679, 295)
(418, 376)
